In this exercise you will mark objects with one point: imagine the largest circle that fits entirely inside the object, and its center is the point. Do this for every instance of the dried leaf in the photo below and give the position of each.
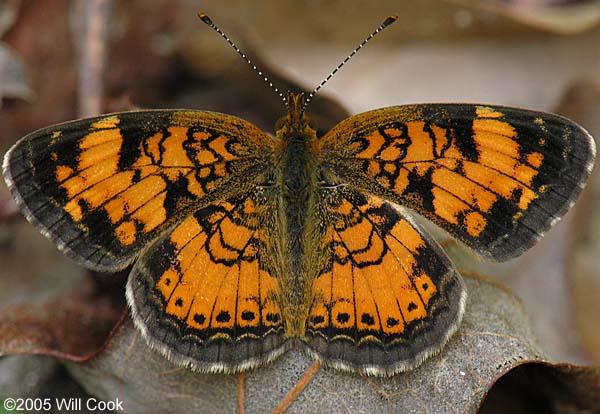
(535, 387)
(70, 327)
(48, 305)
(494, 338)
(70, 330)
(28, 377)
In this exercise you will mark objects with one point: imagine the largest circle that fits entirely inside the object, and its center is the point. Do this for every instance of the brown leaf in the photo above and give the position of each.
(542, 387)
(73, 326)
(48, 305)
(494, 338)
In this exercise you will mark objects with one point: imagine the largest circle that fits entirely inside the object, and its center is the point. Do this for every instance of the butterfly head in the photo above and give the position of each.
(296, 124)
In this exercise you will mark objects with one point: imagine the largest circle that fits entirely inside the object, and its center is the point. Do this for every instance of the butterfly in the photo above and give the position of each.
(244, 244)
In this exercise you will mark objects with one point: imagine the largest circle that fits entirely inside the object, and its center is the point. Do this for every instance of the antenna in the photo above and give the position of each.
(210, 23)
(383, 25)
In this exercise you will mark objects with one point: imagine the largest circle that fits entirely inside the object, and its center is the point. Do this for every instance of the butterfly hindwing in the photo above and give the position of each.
(494, 177)
(206, 294)
(104, 187)
(385, 296)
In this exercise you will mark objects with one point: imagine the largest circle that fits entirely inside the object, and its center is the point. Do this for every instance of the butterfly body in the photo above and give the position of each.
(296, 194)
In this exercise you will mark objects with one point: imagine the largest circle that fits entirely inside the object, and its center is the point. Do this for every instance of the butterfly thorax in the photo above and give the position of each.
(298, 150)
(296, 182)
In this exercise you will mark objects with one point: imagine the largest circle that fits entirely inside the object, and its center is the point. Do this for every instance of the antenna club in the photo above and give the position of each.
(210, 23)
(383, 25)
(205, 18)
(389, 21)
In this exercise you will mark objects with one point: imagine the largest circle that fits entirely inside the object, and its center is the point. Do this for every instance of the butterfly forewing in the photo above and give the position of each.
(104, 187)
(494, 177)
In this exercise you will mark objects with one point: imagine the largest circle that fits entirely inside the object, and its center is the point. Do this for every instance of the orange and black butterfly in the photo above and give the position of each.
(244, 244)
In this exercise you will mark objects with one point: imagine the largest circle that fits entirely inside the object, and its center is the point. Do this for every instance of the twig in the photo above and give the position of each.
(240, 393)
(91, 20)
(298, 388)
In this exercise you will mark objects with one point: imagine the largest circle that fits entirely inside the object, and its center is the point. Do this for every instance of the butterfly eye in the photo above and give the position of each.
(311, 122)
(280, 123)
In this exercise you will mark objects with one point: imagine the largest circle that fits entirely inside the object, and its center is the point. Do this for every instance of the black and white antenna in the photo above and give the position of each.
(210, 23)
(383, 25)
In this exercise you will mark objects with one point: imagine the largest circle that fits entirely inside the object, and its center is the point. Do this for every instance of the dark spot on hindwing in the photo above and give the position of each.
(316, 320)
(367, 319)
(248, 316)
(223, 316)
(391, 322)
(273, 317)
(343, 317)
(199, 318)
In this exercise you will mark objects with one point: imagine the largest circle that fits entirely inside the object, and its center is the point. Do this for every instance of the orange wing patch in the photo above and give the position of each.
(386, 287)
(491, 176)
(136, 194)
(210, 283)
(104, 187)
(459, 188)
